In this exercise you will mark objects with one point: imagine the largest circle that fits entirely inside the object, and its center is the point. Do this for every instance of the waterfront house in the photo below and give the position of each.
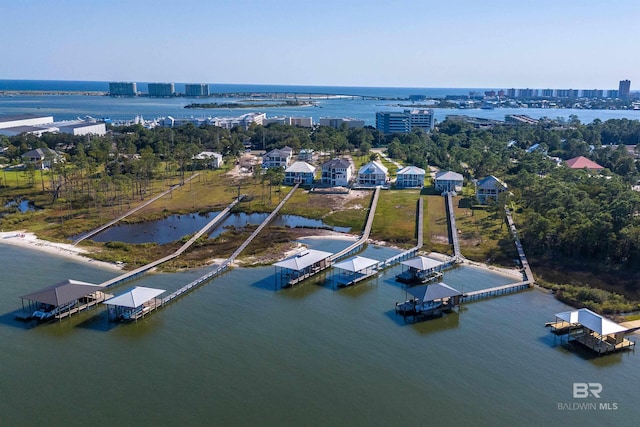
(299, 173)
(410, 177)
(277, 158)
(43, 158)
(210, 159)
(372, 174)
(337, 172)
(448, 181)
(489, 188)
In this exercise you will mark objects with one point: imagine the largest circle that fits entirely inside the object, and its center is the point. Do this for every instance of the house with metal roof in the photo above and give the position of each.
(337, 173)
(278, 158)
(43, 158)
(211, 159)
(299, 173)
(372, 174)
(489, 188)
(410, 177)
(448, 181)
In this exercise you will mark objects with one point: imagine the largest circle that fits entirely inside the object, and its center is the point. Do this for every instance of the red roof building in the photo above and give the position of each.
(582, 162)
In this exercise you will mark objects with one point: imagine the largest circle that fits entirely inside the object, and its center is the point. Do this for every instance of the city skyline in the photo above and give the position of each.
(496, 44)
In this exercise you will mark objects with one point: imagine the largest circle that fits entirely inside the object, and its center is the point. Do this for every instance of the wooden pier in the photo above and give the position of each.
(141, 270)
(495, 291)
(225, 265)
(357, 246)
(453, 228)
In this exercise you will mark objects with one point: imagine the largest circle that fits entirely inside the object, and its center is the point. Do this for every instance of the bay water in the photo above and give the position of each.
(238, 352)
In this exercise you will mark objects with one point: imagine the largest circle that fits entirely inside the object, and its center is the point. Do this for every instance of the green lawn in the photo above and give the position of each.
(395, 219)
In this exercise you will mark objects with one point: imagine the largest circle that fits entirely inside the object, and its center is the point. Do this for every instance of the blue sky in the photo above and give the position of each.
(582, 44)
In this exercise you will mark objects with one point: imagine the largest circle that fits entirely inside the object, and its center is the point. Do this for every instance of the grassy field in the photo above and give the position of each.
(483, 233)
(395, 219)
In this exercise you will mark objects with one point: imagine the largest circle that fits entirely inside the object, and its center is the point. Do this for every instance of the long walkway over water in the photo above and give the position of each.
(140, 270)
(527, 281)
(223, 267)
(132, 211)
(356, 246)
(452, 228)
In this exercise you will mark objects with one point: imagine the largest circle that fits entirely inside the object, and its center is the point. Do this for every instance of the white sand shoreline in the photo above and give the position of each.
(29, 240)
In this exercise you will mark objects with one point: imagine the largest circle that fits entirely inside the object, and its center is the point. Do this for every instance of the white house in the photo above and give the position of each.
(43, 158)
(299, 173)
(213, 160)
(373, 173)
(447, 181)
(337, 172)
(489, 188)
(278, 158)
(410, 177)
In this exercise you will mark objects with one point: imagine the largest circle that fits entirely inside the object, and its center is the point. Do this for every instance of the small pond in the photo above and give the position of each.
(21, 206)
(175, 227)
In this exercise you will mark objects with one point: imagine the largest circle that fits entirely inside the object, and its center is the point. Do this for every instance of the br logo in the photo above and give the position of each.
(584, 390)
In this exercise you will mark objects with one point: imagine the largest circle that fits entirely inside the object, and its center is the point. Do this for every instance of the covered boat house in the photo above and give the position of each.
(420, 270)
(429, 300)
(593, 331)
(301, 266)
(62, 299)
(354, 270)
(133, 304)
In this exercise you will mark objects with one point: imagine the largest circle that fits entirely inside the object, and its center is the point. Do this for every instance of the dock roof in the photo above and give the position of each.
(591, 320)
(63, 292)
(134, 297)
(356, 264)
(434, 291)
(303, 259)
(422, 263)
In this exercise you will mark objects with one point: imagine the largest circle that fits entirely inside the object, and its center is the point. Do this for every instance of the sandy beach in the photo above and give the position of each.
(31, 241)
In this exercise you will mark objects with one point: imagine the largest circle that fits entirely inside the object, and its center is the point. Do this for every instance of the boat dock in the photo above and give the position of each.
(132, 211)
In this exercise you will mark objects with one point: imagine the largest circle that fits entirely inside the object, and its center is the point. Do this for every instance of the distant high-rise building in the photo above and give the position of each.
(592, 93)
(613, 93)
(161, 90)
(122, 89)
(511, 93)
(196, 89)
(547, 93)
(624, 89)
(403, 122)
